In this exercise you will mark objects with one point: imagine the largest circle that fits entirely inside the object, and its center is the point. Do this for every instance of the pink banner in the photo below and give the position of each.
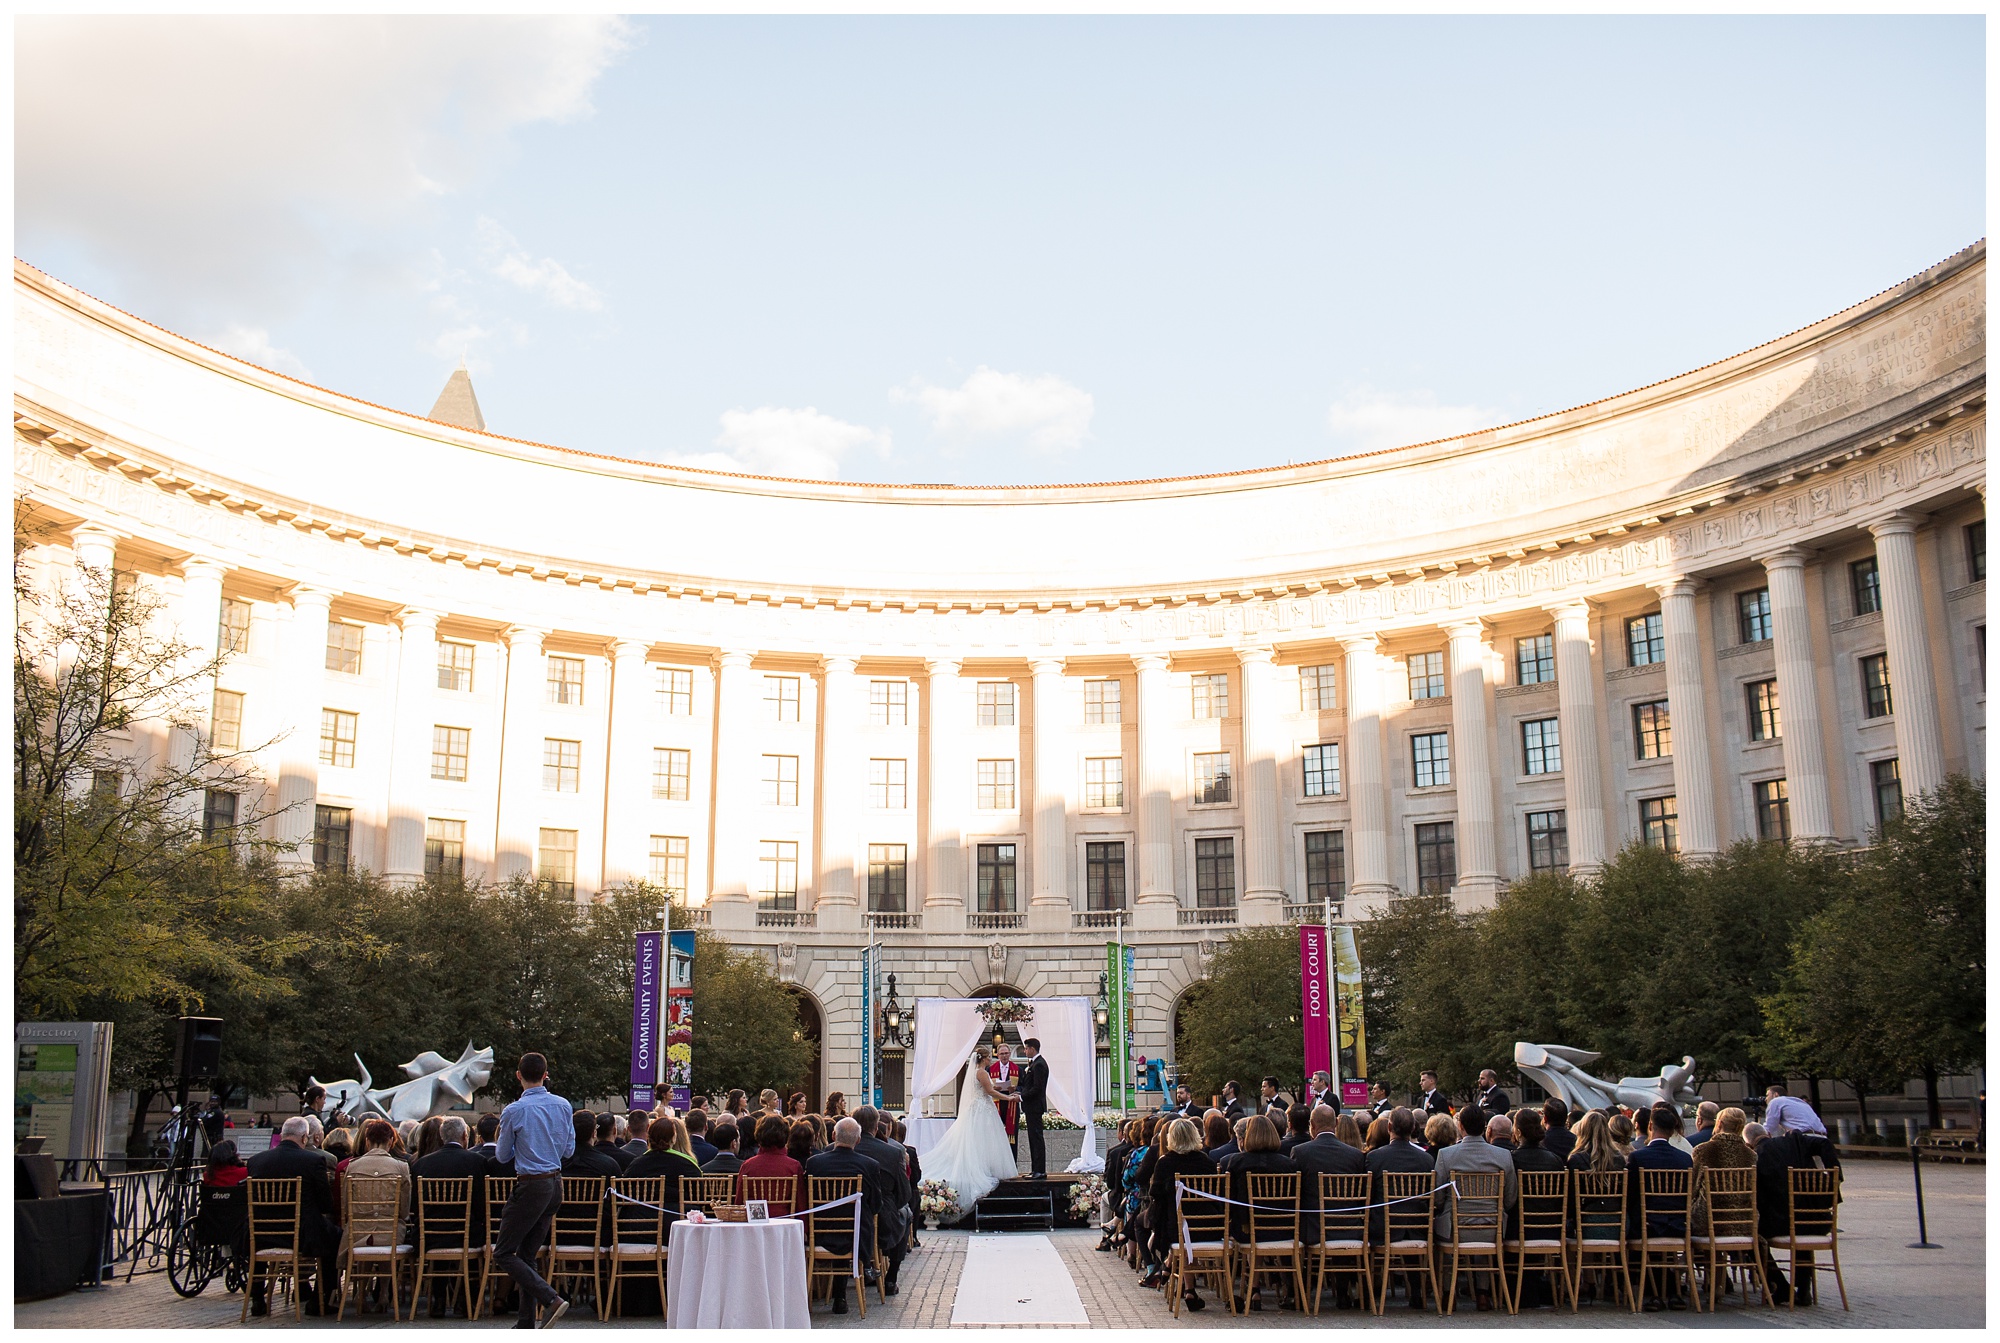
(1316, 998)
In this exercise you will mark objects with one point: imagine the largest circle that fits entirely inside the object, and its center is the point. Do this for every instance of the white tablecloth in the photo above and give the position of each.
(926, 1133)
(737, 1275)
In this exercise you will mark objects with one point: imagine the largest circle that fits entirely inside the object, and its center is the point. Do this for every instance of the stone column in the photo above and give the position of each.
(946, 789)
(732, 865)
(1157, 905)
(1798, 697)
(840, 783)
(1687, 710)
(1583, 760)
(200, 620)
(410, 759)
(1912, 683)
(1366, 781)
(519, 823)
(94, 547)
(1264, 851)
(1049, 905)
(1472, 767)
(298, 753)
(628, 764)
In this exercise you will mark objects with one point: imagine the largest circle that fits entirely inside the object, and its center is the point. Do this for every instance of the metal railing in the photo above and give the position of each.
(894, 922)
(988, 923)
(141, 1206)
(1223, 917)
(787, 918)
(1310, 913)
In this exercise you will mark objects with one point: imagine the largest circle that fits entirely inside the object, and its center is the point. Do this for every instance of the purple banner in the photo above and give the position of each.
(1315, 998)
(646, 1002)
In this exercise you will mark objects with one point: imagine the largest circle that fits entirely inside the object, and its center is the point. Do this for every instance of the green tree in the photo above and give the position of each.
(1417, 962)
(1242, 1022)
(746, 1022)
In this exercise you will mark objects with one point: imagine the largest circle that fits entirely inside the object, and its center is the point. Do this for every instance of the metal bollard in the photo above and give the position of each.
(1923, 1240)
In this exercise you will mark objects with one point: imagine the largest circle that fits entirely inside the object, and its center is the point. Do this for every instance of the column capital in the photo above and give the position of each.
(1150, 662)
(524, 636)
(1251, 654)
(201, 566)
(1789, 557)
(1469, 627)
(92, 540)
(1047, 667)
(935, 667)
(1361, 643)
(737, 658)
(838, 664)
(1576, 608)
(630, 650)
(305, 594)
(418, 616)
(1899, 523)
(1677, 587)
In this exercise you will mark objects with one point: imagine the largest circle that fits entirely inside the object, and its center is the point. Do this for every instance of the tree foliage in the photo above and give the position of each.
(1242, 1022)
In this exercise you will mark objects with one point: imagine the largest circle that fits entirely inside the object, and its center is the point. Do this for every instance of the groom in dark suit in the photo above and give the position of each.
(1034, 1088)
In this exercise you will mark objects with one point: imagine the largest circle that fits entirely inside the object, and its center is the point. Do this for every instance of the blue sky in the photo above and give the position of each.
(995, 250)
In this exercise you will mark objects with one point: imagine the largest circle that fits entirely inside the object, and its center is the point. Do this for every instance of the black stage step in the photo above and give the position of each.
(1017, 1209)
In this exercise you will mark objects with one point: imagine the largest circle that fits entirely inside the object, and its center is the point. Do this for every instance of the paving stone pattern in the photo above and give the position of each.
(1888, 1284)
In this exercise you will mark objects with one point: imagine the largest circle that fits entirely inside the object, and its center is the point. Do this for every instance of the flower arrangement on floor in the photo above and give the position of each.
(1006, 1011)
(937, 1199)
(1055, 1123)
(1085, 1196)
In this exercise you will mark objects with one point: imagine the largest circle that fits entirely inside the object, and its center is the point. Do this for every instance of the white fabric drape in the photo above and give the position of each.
(949, 1028)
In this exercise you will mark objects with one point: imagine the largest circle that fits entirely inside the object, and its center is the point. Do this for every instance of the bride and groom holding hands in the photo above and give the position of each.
(977, 1152)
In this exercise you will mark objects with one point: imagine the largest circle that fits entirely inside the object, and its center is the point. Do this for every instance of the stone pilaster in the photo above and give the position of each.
(1264, 851)
(628, 764)
(298, 753)
(1687, 710)
(839, 784)
(947, 788)
(1158, 769)
(518, 843)
(1798, 697)
(1472, 767)
(1049, 905)
(1583, 757)
(1367, 782)
(411, 741)
(1912, 683)
(732, 864)
(200, 620)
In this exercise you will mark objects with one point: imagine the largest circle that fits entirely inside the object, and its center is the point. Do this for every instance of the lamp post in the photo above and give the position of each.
(1103, 1015)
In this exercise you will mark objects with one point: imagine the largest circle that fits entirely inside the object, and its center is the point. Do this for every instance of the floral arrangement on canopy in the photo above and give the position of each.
(936, 1198)
(1006, 1011)
(1085, 1195)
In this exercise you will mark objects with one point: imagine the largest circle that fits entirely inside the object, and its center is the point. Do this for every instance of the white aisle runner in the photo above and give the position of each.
(1010, 1278)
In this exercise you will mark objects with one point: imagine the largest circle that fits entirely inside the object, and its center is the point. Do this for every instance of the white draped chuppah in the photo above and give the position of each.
(948, 1028)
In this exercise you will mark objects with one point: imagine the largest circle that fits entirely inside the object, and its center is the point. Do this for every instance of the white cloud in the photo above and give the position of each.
(776, 441)
(1364, 420)
(502, 255)
(1050, 414)
(254, 343)
(218, 164)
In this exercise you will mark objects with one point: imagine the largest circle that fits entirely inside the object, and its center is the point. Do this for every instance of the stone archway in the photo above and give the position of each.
(811, 1028)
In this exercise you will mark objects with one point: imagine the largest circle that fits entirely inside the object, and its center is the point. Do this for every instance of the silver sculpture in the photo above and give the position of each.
(1560, 1070)
(436, 1085)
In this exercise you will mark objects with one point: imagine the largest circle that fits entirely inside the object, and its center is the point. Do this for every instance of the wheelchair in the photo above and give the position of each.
(213, 1241)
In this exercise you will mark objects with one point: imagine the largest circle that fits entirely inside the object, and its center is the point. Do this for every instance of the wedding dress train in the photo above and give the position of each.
(974, 1154)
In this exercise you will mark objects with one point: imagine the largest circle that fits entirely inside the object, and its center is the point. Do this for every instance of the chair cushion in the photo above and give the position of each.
(1409, 1245)
(1286, 1244)
(1342, 1245)
(638, 1250)
(276, 1254)
(381, 1251)
(1719, 1241)
(1535, 1243)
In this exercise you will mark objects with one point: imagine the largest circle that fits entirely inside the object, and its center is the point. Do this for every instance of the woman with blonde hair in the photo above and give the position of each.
(1622, 1131)
(1183, 1157)
(1440, 1132)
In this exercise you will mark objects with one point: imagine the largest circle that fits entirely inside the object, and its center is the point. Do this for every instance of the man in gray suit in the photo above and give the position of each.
(1476, 1154)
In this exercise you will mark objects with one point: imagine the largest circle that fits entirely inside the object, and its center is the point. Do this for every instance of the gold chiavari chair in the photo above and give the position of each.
(1272, 1247)
(1477, 1226)
(1202, 1246)
(372, 1247)
(1726, 1227)
(638, 1246)
(499, 1188)
(1342, 1245)
(1406, 1235)
(1665, 1197)
(274, 1242)
(447, 1242)
(1540, 1228)
(576, 1235)
(830, 1262)
(1815, 1227)
(1599, 1241)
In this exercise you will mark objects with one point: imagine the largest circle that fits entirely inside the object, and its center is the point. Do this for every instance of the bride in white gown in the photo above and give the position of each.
(974, 1154)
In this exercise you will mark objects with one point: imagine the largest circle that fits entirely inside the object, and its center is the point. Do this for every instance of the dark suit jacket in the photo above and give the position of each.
(1494, 1101)
(593, 1160)
(896, 1195)
(1657, 1155)
(453, 1162)
(722, 1163)
(1322, 1155)
(616, 1153)
(1776, 1156)
(1397, 1157)
(319, 1235)
(1560, 1141)
(1034, 1086)
(1223, 1153)
(704, 1150)
(841, 1163)
(1430, 1103)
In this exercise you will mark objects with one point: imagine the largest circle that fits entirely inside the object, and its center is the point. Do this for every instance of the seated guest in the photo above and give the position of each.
(1777, 1156)
(662, 1163)
(1183, 1158)
(1531, 1153)
(725, 1161)
(1379, 1133)
(430, 1137)
(452, 1161)
(1624, 1134)
(1114, 1183)
(841, 1161)
(1724, 1149)
(699, 1147)
(1555, 1128)
(1657, 1153)
(1324, 1153)
(339, 1146)
(225, 1168)
(1347, 1128)
(408, 1134)
(319, 1235)
(488, 1133)
(1298, 1127)
(1477, 1151)
(375, 1158)
(1440, 1132)
(901, 1134)
(1753, 1135)
(607, 1141)
(636, 1124)
(588, 1158)
(799, 1144)
(1642, 1126)
(1400, 1155)
(1258, 1155)
(1216, 1137)
(894, 1218)
(771, 1160)
(1704, 1122)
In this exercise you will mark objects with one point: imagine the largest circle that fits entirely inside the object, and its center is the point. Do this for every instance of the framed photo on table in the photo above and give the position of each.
(757, 1210)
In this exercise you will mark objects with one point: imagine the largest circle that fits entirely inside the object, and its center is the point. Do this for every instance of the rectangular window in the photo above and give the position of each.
(1211, 777)
(781, 693)
(1548, 841)
(1645, 640)
(673, 690)
(1774, 810)
(996, 703)
(1104, 783)
(565, 680)
(671, 769)
(1541, 745)
(1104, 875)
(1753, 615)
(454, 666)
(1535, 659)
(1326, 866)
(888, 784)
(1875, 697)
(1437, 858)
(1215, 873)
(226, 721)
(1765, 723)
(1866, 580)
(1430, 760)
(337, 731)
(996, 878)
(444, 847)
(1322, 764)
(1885, 781)
(1316, 689)
(889, 703)
(888, 878)
(218, 814)
(1975, 550)
(1211, 694)
(234, 634)
(333, 835)
(1652, 730)
(996, 785)
(781, 781)
(106, 785)
(555, 862)
(451, 753)
(1659, 823)
(667, 865)
(1102, 703)
(562, 765)
(343, 647)
(1426, 676)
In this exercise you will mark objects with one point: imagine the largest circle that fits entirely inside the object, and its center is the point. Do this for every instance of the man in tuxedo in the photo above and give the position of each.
(841, 1161)
(1034, 1086)
(1232, 1102)
(1274, 1103)
(893, 1232)
(319, 1235)
(1430, 1100)
(1183, 1104)
(1491, 1098)
(454, 1162)
(1322, 1092)
(1379, 1103)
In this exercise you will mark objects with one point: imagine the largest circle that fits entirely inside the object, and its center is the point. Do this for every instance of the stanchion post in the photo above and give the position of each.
(1923, 1240)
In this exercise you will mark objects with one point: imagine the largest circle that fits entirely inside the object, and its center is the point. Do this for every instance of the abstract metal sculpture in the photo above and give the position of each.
(1560, 1070)
(436, 1084)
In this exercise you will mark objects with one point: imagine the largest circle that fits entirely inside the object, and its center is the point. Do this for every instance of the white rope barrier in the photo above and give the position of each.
(1182, 1191)
(855, 1199)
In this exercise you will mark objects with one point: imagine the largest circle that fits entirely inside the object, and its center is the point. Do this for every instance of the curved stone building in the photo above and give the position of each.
(985, 726)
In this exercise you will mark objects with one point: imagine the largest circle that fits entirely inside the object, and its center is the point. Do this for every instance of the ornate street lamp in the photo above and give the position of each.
(897, 1029)
(1103, 1013)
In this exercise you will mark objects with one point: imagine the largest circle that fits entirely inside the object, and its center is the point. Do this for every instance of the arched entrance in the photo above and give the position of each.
(808, 1029)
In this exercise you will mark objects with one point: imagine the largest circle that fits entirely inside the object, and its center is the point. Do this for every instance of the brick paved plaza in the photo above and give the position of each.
(1887, 1283)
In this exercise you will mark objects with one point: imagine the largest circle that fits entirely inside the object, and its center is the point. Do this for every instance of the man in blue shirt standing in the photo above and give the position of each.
(536, 1133)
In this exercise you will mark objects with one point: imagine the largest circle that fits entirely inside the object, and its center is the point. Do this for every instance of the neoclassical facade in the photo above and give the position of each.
(988, 728)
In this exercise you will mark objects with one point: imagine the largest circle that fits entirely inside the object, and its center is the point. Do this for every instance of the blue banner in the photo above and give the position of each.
(871, 1085)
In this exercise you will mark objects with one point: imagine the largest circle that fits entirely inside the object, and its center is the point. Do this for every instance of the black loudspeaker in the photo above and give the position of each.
(198, 1048)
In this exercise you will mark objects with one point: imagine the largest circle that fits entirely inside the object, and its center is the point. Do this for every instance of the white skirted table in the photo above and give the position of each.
(926, 1133)
(737, 1275)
